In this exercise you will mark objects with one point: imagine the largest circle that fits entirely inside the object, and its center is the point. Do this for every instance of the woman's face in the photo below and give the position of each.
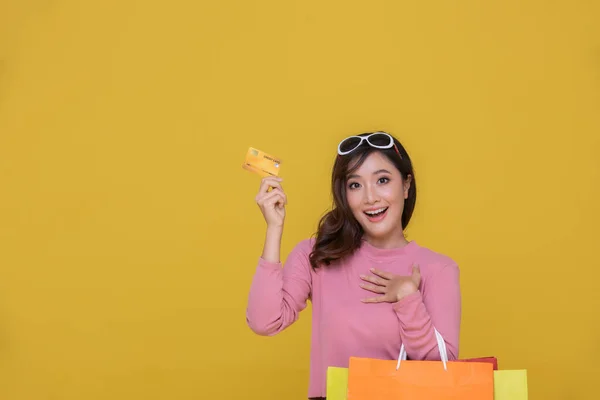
(376, 192)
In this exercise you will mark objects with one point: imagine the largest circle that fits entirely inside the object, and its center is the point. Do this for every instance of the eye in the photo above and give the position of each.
(353, 185)
(383, 179)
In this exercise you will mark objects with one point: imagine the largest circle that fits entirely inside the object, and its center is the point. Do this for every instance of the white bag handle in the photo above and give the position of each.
(441, 347)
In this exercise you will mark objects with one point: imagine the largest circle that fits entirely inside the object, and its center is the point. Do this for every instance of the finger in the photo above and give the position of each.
(282, 195)
(276, 200)
(266, 197)
(383, 274)
(269, 182)
(373, 279)
(416, 270)
(266, 187)
(373, 288)
(380, 299)
(416, 276)
(272, 193)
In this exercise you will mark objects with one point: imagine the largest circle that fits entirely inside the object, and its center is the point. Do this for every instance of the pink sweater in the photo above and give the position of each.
(343, 326)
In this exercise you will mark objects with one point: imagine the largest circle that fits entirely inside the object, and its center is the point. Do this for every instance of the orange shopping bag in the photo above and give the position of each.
(372, 379)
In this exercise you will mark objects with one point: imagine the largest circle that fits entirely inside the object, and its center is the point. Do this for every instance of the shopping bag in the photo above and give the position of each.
(337, 383)
(337, 377)
(373, 379)
(510, 385)
(491, 360)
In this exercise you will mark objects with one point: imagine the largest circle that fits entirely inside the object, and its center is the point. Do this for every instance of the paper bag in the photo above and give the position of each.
(491, 360)
(370, 379)
(373, 379)
(337, 378)
(337, 383)
(510, 385)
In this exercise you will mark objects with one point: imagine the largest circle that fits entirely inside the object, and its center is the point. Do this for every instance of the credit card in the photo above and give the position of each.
(261, 163)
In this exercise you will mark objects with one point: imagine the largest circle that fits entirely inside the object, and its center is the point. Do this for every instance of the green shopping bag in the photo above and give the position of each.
(510, 385)
(337, 383)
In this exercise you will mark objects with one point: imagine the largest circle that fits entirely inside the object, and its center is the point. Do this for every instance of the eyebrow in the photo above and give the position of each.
(379, 171)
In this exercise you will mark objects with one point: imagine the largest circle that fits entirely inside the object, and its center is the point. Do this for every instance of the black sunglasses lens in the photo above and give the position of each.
(379, 139)
(349, 144)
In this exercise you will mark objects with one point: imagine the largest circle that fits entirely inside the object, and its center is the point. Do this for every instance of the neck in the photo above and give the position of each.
(390, 242)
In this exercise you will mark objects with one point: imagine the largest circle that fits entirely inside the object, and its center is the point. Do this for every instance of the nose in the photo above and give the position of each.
(371, 196)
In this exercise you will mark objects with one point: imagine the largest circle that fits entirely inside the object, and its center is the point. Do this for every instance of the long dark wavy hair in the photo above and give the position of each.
(339, 234)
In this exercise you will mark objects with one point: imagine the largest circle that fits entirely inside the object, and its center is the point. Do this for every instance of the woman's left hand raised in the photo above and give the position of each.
(391, 287)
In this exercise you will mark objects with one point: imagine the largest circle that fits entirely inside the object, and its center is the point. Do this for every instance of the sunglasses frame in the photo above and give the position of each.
(366, 139)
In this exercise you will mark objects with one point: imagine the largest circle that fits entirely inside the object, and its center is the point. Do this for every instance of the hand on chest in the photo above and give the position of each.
(347, 309)
(368, 283)
(389, 283)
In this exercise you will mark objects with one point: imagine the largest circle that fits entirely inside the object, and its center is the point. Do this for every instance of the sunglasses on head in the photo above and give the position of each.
(379, 140)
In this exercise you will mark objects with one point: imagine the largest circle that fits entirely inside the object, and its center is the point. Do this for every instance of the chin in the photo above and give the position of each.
(378, 235)
(377, 231)
(381, 231)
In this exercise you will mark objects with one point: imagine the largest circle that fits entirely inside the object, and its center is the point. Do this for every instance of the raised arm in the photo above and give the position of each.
(438, 306)
(277, 295)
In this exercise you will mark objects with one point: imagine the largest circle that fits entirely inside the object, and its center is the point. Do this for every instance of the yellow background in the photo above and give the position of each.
(129, 232)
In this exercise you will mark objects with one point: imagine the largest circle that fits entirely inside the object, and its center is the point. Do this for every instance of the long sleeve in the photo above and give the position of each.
(439, 306)
(278, 295)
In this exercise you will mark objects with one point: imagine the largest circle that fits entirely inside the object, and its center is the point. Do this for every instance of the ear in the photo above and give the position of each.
(406, 185)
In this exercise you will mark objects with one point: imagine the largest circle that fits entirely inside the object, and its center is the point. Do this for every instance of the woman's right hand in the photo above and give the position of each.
(272, 203)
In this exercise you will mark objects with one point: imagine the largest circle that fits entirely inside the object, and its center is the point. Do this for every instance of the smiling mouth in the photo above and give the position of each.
(376, 213)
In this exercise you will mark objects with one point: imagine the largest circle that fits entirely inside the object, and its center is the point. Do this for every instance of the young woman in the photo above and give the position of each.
(371, 289)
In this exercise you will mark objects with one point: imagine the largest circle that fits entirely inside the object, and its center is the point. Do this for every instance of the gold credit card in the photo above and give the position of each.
(261, 163)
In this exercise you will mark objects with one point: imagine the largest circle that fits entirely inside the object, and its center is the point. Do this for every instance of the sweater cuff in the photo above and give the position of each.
(408, 302)
(262, 263)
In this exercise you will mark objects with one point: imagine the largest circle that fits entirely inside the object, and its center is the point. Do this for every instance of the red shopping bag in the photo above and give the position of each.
(491, 360)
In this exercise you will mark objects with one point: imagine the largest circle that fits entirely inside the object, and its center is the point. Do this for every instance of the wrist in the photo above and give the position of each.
(272, 247)
(405, 293)
(274, 231)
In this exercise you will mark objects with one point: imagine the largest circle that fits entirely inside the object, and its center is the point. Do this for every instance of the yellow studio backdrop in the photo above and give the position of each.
(128, 229)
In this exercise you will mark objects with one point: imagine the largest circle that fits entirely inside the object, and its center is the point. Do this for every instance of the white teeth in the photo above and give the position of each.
(375, 211)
